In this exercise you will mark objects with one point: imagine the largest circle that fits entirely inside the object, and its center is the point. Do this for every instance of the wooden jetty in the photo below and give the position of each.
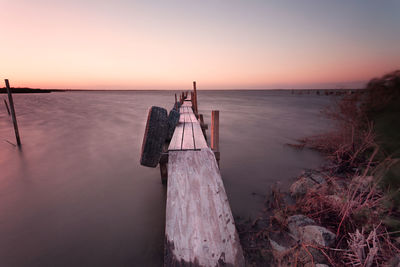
(199, 229)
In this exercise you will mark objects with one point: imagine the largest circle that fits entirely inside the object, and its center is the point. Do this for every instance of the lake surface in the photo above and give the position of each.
(76, 195)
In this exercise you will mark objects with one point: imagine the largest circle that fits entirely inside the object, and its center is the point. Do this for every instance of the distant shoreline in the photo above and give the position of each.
(24, 90)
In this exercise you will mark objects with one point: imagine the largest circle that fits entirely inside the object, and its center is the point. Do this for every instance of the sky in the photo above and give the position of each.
(222, 44)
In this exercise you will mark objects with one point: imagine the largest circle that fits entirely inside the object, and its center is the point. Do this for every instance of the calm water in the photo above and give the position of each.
(75, 194)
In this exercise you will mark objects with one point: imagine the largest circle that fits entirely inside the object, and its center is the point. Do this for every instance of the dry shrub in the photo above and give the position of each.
(380, 92)
(354, 212)
(352, 140)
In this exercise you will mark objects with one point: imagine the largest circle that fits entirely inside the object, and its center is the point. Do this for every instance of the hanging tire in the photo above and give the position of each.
(173, 120)
(178, 105)
(154, 136)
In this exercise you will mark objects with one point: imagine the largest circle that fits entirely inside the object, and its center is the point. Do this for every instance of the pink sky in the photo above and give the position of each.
(220, 44)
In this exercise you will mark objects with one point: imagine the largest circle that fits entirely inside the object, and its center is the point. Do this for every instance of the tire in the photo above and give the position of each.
(173, 120)
(154, 136)
(178, 106)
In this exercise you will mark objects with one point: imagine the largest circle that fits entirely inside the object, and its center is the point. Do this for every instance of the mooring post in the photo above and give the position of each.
(164, 164)
(215, 134)
(8, 110)
(203, 126)
(164, 167)
(176, 102)
(195, 98)
(14, 118)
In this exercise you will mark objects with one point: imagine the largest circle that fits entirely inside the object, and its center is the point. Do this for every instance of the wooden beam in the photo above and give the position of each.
(14, 117)
(176, 102)
(195, 98)
(215, 130)
(164, 167)
(199, 229)
(8, 110)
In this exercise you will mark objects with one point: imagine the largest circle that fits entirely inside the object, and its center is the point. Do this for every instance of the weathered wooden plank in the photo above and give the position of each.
(176, 141)
(192, 116)
(188, 140)
(187, 103)
(199, 140)
(200, 229)
(182, 117)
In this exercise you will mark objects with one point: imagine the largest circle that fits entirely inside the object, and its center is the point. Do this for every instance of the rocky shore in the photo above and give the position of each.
(307, 225)
(348, 212)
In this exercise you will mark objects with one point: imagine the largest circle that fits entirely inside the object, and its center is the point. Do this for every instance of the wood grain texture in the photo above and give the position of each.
(188, 131)
(176, 141)
(199, 228)
(188, 140)
(187, 103)
(199, 140)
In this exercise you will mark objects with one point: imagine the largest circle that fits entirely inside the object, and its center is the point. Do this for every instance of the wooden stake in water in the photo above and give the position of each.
(14, 118)
(8, 110)
(215, 130)
(176, 102)
(195, 98)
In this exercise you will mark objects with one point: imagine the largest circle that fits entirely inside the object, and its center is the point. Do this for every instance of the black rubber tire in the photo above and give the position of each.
(154, 136)
(178, 106)
(173, 120)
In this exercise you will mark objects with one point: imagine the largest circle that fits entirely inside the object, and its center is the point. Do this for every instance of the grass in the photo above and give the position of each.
(360, 201)
(366, 143)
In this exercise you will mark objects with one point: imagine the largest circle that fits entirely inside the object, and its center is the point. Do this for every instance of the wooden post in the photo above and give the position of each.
(14, 118)
(8, 110)
(215, 130)
(164, 168)
(164, 164)
(176, 102)
(203, 126)
(215, 134)
(195, 98)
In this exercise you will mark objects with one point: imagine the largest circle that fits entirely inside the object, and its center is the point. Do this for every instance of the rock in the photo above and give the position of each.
(281, 243)
(302, 185)
(317, 257)
(314, 234)
(317, 178)
(296, 221)
(278, 248)
(310, 264)
(278, 251)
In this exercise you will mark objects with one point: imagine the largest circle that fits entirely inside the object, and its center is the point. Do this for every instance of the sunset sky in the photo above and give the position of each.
(222, 44)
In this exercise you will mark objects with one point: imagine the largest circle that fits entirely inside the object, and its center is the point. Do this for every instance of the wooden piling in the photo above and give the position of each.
(203, 126)
(14, 118)
(195, 98)
(8, 110)
(215, 130)
(176, 102)
(164, 168)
